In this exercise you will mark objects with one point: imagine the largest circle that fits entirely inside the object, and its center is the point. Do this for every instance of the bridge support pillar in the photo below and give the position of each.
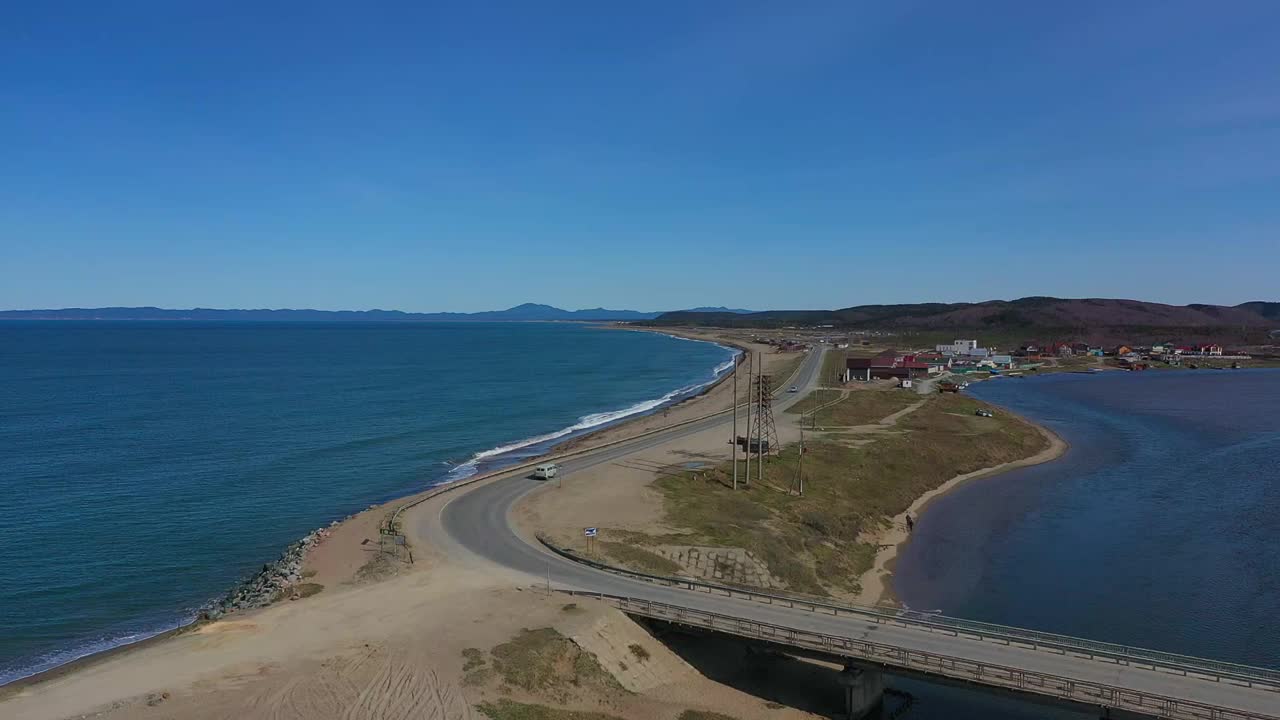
(863, 692)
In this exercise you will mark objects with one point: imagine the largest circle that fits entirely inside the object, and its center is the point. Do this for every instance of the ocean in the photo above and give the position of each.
(145, 468)
(1159, 528)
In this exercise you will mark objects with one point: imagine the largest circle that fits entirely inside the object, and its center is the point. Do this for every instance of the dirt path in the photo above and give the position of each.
(895, 417)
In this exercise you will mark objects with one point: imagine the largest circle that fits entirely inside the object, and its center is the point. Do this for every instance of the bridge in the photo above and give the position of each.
(1112, 680)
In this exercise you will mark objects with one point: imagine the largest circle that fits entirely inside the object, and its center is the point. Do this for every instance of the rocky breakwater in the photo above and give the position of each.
(276, 580)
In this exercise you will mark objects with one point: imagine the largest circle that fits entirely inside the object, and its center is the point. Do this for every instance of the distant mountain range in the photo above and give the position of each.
(525, 312)
(1082, 317)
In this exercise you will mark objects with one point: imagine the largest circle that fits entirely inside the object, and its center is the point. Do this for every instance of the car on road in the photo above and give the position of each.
(980, 412)
(546, 471)
(793, 388)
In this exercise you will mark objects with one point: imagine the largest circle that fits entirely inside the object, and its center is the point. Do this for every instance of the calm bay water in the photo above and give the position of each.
(146, 467)
(1159, 528)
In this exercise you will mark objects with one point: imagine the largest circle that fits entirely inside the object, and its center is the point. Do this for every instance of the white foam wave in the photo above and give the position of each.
(465, 470)
(586, 422)
(58, 658)
(725, 366)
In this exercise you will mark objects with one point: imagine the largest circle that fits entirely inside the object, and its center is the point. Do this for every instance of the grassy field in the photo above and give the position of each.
(821, 542)
(861, 407)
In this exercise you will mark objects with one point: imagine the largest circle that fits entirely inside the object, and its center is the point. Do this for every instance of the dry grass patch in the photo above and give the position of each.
(546, 663)
(703, 715)
(511, 710)
(822, 541)
(638, 558)
(638, 652)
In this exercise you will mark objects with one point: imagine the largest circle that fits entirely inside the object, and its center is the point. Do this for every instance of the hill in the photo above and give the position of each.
(1043, 315)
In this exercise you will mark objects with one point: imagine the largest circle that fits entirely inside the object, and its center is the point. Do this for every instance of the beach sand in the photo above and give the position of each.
(389, 648)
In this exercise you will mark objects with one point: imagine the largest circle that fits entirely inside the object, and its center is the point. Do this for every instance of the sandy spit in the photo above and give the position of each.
(876, 583)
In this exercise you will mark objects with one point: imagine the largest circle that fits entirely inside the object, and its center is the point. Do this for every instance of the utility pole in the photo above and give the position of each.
(759, 424)
(800, 462)
(734, 438)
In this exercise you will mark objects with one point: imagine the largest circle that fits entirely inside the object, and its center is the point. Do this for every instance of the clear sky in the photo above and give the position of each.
(641, 155)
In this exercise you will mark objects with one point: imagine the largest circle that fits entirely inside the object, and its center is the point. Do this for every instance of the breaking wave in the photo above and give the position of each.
(534, 445)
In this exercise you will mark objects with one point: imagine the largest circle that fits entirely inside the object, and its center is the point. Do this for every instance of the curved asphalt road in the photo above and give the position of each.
(477, 520)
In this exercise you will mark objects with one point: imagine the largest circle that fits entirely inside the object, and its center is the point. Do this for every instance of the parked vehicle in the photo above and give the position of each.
(981, 412)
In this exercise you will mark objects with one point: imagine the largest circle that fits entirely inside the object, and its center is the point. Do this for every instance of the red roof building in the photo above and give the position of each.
(885, 366)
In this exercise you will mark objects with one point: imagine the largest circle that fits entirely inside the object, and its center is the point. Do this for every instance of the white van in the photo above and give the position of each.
(546, 471)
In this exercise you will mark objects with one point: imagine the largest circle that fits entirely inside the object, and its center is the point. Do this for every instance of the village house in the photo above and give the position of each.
(959, 347)
(937, 362)
(1004, 362)
(885, 366)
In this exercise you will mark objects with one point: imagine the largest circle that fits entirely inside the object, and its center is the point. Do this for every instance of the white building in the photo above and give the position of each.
(959, 347)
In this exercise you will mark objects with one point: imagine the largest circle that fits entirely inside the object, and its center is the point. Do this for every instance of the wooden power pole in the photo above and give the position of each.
(733, 439)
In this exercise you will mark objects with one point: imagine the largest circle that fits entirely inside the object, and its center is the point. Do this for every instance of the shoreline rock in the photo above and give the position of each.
(275, 581)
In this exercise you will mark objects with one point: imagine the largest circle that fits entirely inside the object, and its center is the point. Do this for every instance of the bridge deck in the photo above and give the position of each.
(1097, 681)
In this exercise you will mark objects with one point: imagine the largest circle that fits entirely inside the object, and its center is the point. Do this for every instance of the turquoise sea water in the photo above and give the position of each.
(1159, 527)
(146, 467)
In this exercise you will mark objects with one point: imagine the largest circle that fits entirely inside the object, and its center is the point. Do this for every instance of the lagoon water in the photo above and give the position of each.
(146, 467)
(1159, 528)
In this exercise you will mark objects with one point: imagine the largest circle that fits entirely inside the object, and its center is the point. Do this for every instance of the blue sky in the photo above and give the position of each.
(659, 155)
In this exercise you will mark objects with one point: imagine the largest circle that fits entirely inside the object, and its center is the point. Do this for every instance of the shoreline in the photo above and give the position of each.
(877, 581)
(571, 442)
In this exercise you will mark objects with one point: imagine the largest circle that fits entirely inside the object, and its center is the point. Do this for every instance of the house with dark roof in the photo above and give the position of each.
(885, 366)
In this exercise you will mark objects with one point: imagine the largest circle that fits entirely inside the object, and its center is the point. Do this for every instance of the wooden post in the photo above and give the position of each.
(759, 424)
(750, 365)
(734, 438)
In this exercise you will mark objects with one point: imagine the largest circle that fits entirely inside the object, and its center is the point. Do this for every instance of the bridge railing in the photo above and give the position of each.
(1216, 670)
(892, 656)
